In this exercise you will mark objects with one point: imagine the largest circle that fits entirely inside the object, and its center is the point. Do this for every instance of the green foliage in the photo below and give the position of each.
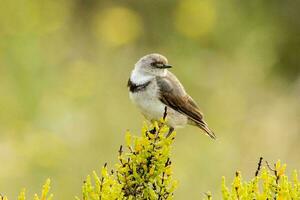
(270, 184)
(44, 195)
(143, 172)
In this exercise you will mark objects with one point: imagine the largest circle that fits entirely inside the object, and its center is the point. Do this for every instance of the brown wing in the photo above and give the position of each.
(173, 95)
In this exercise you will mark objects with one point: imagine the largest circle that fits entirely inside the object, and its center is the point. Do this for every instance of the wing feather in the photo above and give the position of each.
(173, 95)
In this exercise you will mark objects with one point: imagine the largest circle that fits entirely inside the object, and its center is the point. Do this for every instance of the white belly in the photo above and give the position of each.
(153, 109)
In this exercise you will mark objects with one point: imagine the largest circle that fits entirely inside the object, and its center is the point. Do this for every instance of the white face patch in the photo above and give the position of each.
(140, 77)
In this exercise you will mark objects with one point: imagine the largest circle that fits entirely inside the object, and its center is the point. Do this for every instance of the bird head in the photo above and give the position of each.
(153, 64)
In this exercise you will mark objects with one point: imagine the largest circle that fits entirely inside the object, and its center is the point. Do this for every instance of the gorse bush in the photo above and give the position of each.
(144, 171)
(44, 195)
(271, 183)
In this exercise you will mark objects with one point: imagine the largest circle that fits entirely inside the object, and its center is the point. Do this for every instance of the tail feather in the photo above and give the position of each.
(202, 125)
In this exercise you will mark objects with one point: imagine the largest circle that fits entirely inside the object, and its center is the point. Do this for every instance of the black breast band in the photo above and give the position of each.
(137, 88)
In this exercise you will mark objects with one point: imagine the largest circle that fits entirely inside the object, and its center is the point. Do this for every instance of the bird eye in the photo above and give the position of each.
(153, 64)
(157, 64)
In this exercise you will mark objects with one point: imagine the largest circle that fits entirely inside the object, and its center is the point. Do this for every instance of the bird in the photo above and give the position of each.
(154, 89)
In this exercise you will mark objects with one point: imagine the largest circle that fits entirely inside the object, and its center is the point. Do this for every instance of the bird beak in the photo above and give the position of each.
(167, 66)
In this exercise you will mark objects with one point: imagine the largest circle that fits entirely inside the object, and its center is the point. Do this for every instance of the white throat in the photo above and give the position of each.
(140, 77)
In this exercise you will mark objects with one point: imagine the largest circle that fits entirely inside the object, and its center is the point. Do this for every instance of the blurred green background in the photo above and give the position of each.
(64, 104)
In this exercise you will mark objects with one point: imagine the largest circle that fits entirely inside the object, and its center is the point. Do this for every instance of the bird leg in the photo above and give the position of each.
(171, 129)
(165, 113)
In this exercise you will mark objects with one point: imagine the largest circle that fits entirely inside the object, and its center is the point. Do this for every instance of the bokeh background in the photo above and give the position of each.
(64, 105)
